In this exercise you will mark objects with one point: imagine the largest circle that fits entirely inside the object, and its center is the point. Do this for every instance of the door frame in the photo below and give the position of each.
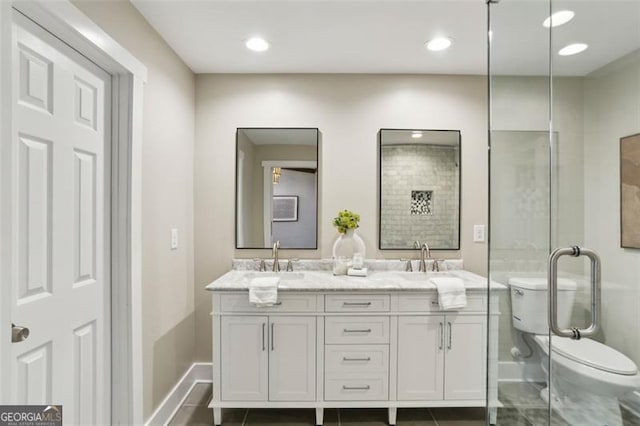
(128, 75)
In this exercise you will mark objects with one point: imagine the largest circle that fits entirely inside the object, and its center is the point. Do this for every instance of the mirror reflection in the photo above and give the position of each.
(419, 188)
(276, 187)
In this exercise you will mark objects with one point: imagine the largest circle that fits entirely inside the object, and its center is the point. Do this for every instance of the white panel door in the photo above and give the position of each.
(244, 358)
(420, 358)
(59, 248)
(292, 359)
(466, 359)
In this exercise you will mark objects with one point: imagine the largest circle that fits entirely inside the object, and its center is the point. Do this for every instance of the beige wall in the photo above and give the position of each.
(612, 111)
(349, 110)
(167, 198)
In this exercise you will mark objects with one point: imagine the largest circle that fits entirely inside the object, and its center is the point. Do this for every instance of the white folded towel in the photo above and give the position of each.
(263, 291)
(353, 272)
(451, 293)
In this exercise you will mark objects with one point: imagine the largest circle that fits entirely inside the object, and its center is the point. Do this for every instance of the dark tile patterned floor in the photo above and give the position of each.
(194, 412)
(522, 407)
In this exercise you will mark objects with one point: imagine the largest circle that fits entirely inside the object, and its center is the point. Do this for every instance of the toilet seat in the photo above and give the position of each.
(590, 353)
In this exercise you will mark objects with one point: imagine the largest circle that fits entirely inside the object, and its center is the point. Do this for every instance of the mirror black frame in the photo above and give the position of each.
(379, 157)
(238, 129)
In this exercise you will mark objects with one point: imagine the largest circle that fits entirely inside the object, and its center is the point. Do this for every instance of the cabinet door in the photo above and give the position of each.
(292, 358)
(420, 358)
(465, 363)
(244, 358)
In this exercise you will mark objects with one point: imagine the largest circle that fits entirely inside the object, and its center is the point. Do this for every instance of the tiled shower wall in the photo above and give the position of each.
(407, 168)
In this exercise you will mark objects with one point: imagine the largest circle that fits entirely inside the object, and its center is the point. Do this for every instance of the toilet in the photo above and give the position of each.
(582, 369)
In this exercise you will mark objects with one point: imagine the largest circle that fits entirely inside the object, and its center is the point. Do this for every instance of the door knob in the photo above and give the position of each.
(18, 334)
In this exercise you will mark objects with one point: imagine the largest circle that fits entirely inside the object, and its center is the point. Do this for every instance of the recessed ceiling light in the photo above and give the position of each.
(558, 18)
(416, 134)
(438, 43)
(573, 49)
(257, 44)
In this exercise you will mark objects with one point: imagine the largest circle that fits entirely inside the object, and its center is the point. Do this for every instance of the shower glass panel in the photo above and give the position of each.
(564, 172)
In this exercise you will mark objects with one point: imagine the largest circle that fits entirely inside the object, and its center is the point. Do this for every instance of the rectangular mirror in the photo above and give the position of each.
(276, 187)
(419, 189)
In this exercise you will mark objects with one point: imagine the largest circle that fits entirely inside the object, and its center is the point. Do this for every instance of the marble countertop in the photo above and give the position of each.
(307, 280)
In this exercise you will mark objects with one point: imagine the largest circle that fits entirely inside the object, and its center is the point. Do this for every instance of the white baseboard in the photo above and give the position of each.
(514, 371)
(199, 372)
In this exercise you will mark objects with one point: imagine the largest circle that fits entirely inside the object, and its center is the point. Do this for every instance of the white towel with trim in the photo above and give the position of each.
(263, 291)
(451, 292)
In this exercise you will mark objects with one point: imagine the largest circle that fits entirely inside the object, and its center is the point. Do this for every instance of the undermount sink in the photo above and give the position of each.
(284, 276)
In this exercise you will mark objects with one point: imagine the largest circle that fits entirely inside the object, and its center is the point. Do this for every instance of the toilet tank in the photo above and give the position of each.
(529, 303)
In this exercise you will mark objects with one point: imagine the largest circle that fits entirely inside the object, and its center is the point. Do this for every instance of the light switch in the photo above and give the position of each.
(174, 238)
(478, 233)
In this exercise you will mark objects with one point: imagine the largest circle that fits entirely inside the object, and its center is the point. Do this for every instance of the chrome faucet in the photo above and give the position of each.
(425, 253)
(436, 265)
(274, 252)
(407, 267)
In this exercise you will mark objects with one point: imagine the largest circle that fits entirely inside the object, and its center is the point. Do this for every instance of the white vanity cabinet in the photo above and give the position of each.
(245, 376)
(465, 357)
(292, 358)
(441, 357)
(268, 358)
(349, 349)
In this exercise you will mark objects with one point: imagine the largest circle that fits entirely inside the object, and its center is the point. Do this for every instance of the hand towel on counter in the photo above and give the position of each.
(263, 291)
(451, 292)
(353, 272)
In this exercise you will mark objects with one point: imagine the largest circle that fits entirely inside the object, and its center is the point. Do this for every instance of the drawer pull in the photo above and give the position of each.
(277, 304)
(367, 330)
(356, 303)
(356, 359)
(366, 387)
(434, 302)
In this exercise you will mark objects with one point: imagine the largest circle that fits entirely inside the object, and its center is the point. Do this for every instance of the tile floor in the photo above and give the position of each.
(194, 412)
(523, 407)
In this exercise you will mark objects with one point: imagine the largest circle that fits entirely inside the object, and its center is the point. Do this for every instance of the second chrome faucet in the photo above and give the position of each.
(274, 253)
(425, 253)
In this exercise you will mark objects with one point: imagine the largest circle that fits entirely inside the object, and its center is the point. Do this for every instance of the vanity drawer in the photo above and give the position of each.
(343, 359)
(356, 330)
(286, 303)
(429, 302)
(357, 303)
(356, 387)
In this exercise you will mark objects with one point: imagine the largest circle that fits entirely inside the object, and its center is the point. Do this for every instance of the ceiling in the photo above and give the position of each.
(368, 36)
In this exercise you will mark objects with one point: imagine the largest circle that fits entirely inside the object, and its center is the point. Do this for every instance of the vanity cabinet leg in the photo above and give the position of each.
(393, 411)
(319, 416)
(217, 416)
(493, 416)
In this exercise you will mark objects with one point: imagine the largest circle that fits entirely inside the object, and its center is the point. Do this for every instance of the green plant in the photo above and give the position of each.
(346, 220)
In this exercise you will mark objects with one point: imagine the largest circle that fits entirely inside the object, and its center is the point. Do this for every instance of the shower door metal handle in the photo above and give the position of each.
(573, 332)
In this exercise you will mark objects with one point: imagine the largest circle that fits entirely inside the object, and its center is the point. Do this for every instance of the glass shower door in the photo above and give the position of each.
(565, 172)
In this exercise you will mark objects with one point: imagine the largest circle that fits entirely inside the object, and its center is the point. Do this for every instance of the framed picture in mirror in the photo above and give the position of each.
(630, 191)
(285, 208)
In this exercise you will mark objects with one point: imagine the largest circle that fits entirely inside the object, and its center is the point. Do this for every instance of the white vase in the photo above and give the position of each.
(348, 244)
